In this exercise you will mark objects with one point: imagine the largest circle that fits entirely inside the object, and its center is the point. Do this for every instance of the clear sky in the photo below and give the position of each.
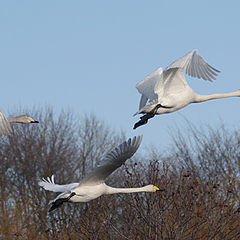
(89, 55)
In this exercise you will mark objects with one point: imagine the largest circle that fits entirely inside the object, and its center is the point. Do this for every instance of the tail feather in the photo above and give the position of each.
(50, 185)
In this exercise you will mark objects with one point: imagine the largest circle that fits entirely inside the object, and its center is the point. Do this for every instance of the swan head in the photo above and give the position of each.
(151, 188)
(33, 121)
(26, 119)
(238, 92)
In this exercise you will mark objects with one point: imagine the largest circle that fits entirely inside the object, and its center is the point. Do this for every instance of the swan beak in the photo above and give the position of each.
(156, 187)
(34, 121)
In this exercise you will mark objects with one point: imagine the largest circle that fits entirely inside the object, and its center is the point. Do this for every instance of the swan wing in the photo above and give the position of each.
(113, 160)
(174, 82)
(147, 85)
(5, 127)
(143, 101)
(49, 184)
(195, 66)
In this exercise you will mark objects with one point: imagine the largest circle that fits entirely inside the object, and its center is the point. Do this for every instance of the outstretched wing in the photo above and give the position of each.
(49, 184)
(113, 160)
(174, 82)
(195, 66)
(5, 127)
(147, 85)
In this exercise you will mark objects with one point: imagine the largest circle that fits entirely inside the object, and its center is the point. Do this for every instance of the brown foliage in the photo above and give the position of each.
(198, 181)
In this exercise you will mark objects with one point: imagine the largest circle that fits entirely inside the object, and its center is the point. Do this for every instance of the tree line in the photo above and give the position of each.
(199, 183)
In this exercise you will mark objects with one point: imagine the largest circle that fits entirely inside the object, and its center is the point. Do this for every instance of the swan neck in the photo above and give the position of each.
(203, 98)
(11, 119)
(112, 190)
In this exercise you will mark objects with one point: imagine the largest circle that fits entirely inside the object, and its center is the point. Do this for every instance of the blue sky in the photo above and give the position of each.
(89, 55)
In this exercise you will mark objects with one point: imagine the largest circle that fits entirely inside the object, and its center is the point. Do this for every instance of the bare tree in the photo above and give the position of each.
(198, 180)
(56, 146)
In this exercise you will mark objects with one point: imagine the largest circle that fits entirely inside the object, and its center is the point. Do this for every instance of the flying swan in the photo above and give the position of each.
(168, 91)
(93, 185)
(5, 127)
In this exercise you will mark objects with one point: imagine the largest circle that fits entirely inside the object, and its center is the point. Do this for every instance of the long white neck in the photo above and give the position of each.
(203, 98)
(18, 119)
(11, 119)
(112, 190)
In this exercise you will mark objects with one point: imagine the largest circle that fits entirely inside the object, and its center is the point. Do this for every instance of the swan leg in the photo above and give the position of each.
(144, 118)
(59, 202)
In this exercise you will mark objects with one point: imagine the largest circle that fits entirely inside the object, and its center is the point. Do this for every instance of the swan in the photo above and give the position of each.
(168, 91)
(93, 185)
(5, 127)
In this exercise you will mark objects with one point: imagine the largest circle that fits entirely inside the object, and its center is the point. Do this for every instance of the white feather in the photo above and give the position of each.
(169, 88)
(93, 185)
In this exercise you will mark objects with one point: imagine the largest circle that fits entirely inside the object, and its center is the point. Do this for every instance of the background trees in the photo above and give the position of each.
(198, 180)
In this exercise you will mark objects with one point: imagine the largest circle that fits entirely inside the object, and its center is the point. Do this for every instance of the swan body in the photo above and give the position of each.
(5, 127)
(93, 185)
(166, 91)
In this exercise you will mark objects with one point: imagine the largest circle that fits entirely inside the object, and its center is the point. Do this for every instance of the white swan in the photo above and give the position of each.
(5, 127)
(93, 186)
(168, 91)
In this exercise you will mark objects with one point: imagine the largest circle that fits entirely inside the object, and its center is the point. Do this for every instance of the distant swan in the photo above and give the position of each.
(93, 185)
(5, 127)
(168, 91)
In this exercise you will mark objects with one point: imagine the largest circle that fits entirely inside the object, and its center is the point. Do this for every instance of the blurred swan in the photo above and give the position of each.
(5, 127)
(168, 91)
(93, 185)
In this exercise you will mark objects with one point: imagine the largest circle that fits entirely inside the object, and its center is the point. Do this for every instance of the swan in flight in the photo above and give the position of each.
(5, 127)
(168, 91)
(93, 185)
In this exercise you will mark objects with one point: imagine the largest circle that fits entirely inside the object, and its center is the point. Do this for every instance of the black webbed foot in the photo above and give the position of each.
(139, 123)
(144, 118)
(59, 202)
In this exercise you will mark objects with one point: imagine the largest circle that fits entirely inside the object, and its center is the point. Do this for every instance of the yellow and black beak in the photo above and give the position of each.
(156, 188)
(34, 121)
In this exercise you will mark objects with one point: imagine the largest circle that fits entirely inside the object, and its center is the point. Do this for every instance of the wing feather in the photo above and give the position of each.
(113, 160)
(5, 127)
(195, 66)
(197, 69)
(49, 184)
(210, 75)
(146, 86)
(201, 71)
(143, 101)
